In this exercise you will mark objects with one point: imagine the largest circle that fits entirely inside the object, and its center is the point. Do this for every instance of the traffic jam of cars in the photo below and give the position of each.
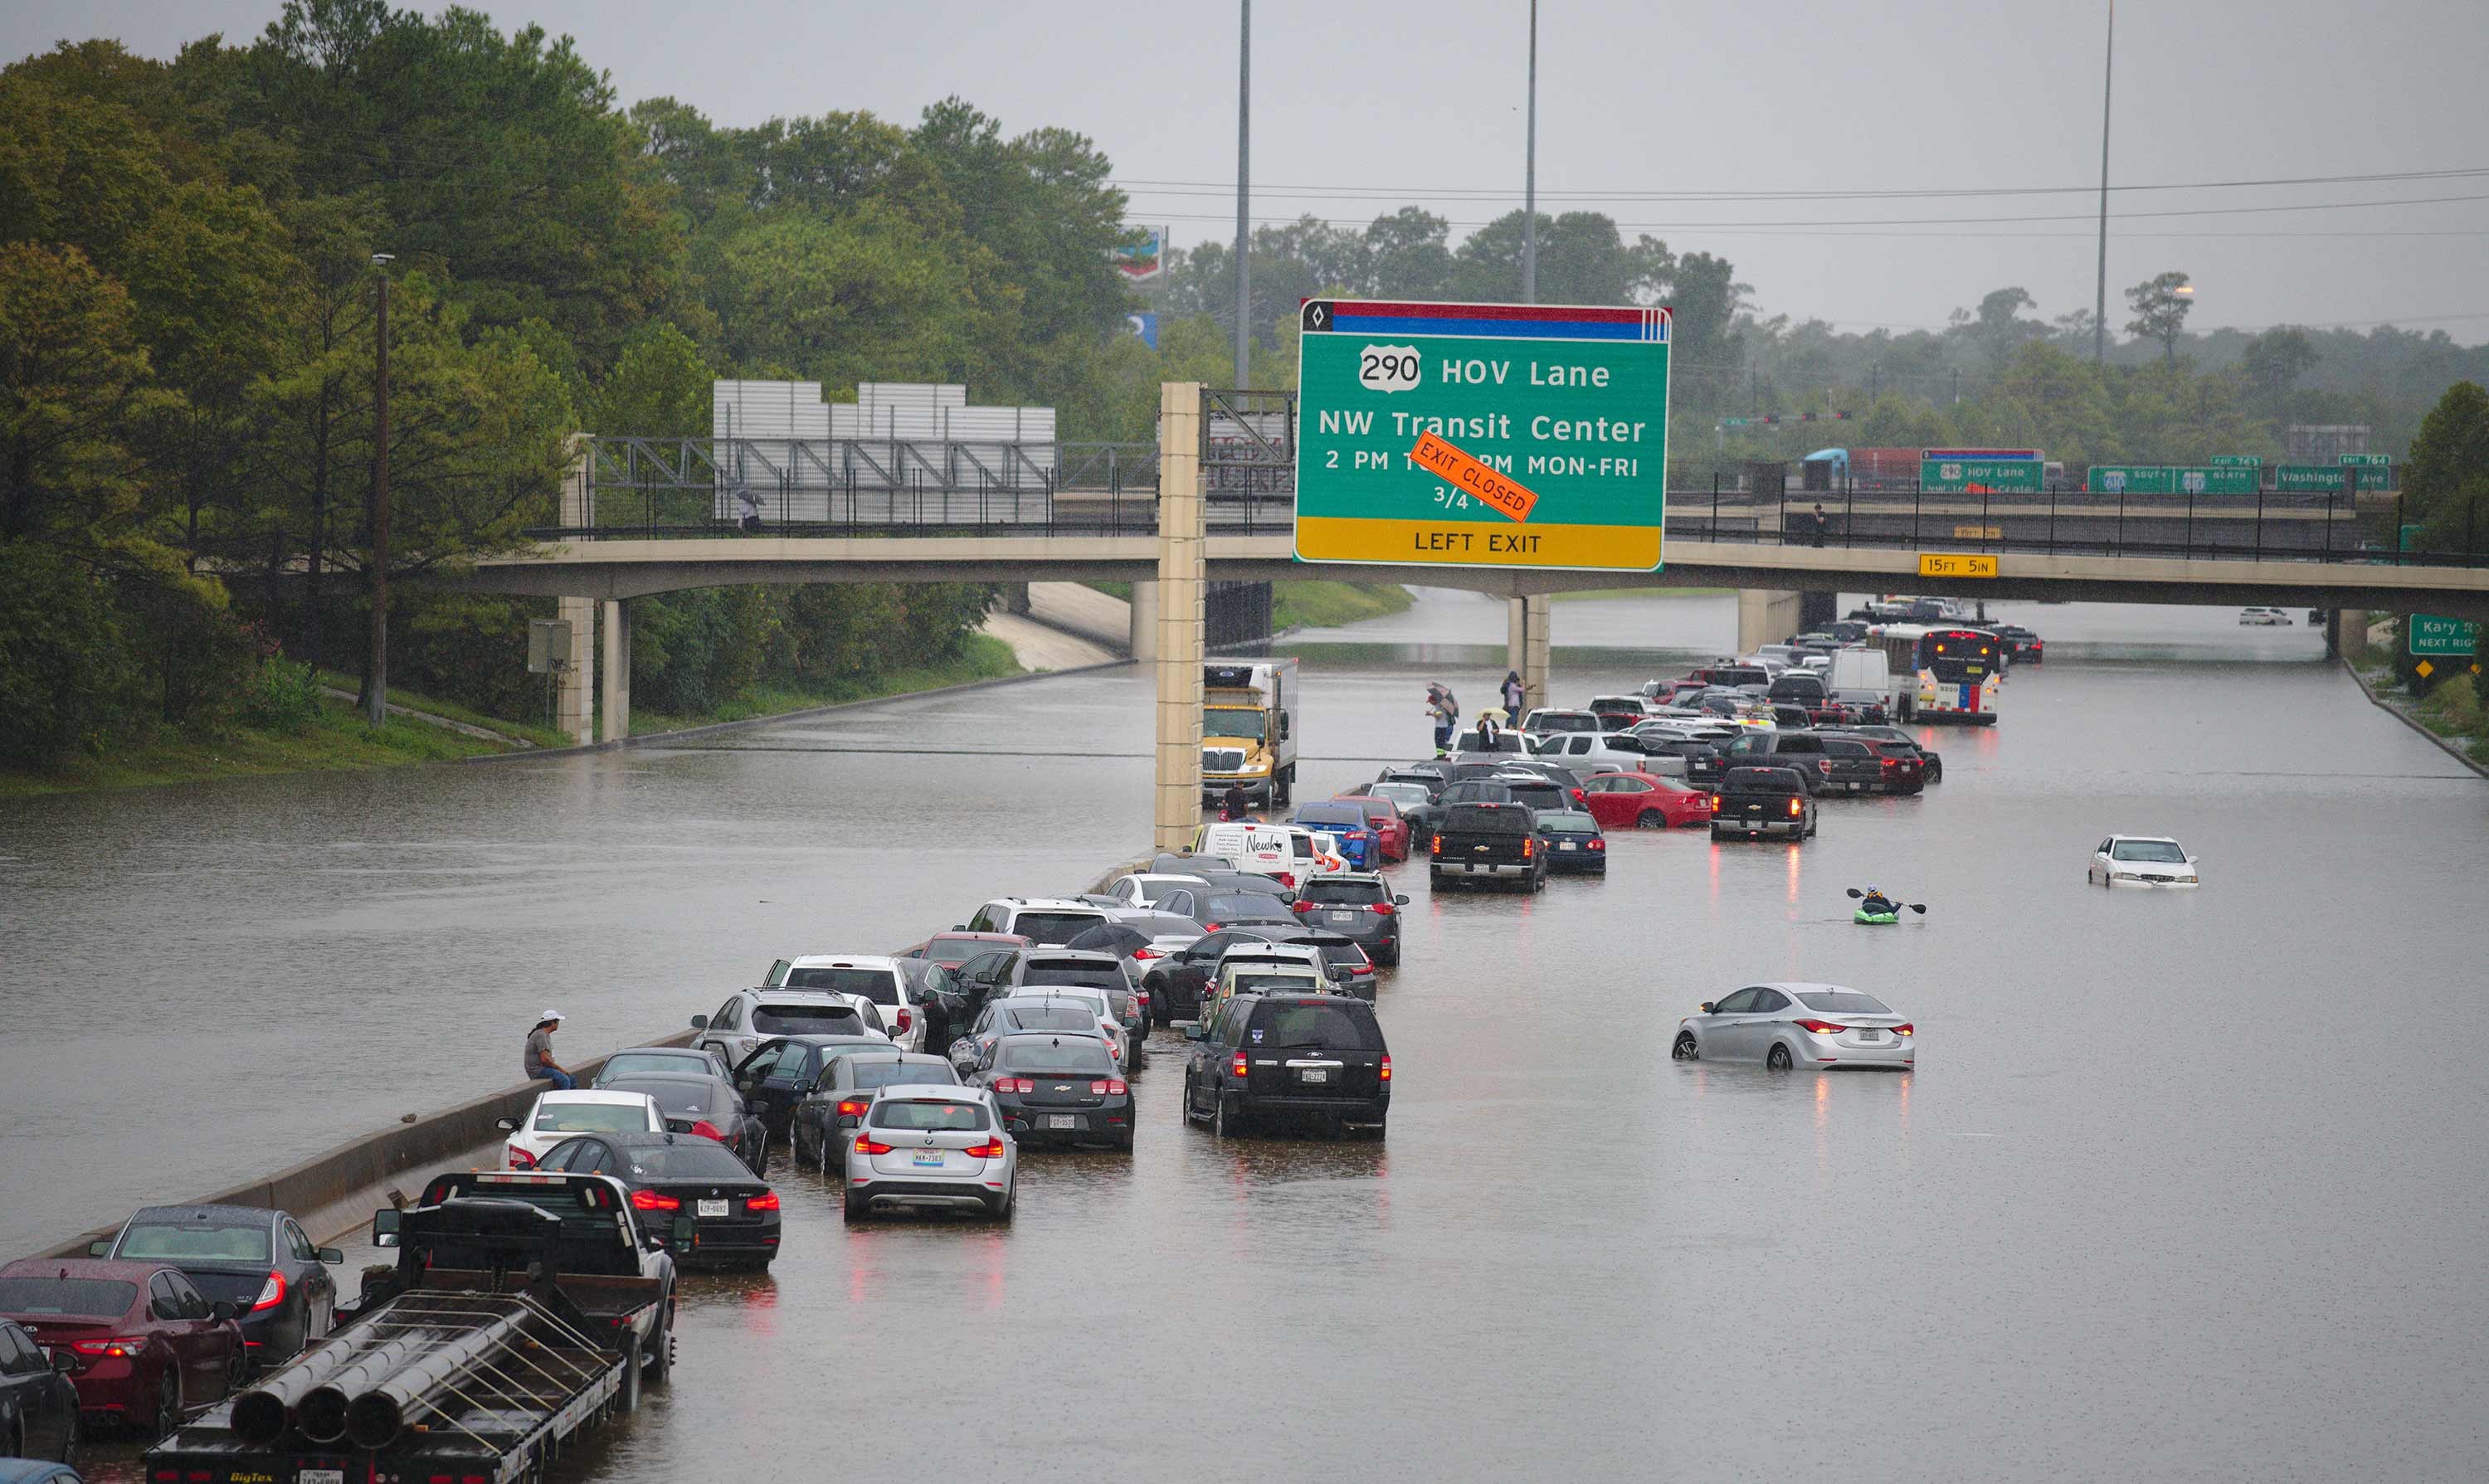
(929, 1078)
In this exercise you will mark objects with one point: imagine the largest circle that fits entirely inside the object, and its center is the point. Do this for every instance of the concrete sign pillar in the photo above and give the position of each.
(1528, 639)
(1765, 616)
(1180, 589)
(614, 687)
(574, 698)
(1144, 641)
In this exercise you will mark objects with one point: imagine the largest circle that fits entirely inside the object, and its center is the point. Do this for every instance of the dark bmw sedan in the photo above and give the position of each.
(258, 1260)
(1057, 1090)
(733, 1212)
(706, 1106)
(39, 1406)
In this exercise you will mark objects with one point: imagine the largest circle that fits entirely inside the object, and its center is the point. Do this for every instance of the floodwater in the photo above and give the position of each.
(2185, 1187)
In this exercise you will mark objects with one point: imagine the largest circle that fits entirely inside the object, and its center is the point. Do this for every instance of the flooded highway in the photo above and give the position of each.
(2184, 1186)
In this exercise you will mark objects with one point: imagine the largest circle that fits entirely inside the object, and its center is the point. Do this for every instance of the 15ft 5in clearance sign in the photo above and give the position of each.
(1483, 435)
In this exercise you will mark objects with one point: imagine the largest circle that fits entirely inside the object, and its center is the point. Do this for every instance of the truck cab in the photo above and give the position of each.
(1249, 730)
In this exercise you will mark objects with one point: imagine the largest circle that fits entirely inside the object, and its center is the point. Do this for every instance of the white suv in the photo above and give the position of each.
(1047, 920)
(751, 1017)
(871, 979)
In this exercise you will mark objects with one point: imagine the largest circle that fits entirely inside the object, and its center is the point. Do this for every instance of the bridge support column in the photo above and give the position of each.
(1145, 622)
(574, 698)
(1180, 588)
(1527, 645)
(615, 685)
(1765, 616)
(2346, 633)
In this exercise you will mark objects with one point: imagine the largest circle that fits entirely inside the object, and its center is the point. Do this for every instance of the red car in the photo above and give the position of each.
(145, 1346)
(950, 949)
(1639, 801)
(1390, 829)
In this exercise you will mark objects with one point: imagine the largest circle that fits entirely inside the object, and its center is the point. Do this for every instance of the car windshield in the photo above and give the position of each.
(98, 1297)
(1568, 824)
(879, 986)
(1401, 793)
(1042, 1017)
(929, 1117)
(695, 1160)
(889, 1073)
(1054, 928)
(1487, 819)
(196, 1240)
(591, 1118)
(2161, 851)
(1538, 795)
(1308, 1024)
(1342, 952)
(621, 1064)
(805, 1019)
(1249, 905)
(1265, 979)
(1359, 893)
(1842, 1002)
(1093, 976)
(673, 1095)
(1059, 1058)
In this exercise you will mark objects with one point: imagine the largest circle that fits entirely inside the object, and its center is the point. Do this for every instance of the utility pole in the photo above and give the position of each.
(1243, 194)
(1530, 176)
(2100, 299)
(376, 697)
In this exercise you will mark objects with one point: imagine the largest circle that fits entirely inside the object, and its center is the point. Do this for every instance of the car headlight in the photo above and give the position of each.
(1257, 765)
(2189, 881)
(2126, 875)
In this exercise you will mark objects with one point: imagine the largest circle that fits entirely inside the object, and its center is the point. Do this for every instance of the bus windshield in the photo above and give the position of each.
(1957, 655)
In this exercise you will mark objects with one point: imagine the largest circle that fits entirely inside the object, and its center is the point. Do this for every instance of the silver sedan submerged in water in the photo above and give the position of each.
(1790, 1025)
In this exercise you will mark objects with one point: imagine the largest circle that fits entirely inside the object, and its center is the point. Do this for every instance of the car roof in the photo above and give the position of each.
(1096, 1038)
(639, 1138)
(709, 1077)
(933, 1092)
(1153, 877)
(116, 1270)
(866, 1039)
(843, 961)
(591, 1094)
(227, 1214)
(2157, 840)
(1084, 954)
(1797, 986)
(1048, 904)
(688, 1053)
(823, 996)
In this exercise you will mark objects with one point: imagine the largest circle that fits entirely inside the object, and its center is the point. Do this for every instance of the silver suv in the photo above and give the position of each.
(751, 1017)
(1048, 921)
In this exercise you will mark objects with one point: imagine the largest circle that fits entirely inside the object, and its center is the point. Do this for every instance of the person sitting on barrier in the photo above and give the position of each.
(539, 1062)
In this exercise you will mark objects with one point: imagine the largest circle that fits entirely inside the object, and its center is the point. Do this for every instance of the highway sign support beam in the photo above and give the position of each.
(1182, 586)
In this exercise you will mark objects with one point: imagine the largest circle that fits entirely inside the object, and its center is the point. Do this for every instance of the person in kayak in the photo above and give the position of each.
(1876, 903)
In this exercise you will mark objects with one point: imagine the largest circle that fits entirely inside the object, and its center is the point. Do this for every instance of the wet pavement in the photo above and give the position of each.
(2184, 1186)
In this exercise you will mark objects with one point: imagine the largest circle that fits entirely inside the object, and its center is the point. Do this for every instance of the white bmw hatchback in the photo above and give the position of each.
(557, 1115)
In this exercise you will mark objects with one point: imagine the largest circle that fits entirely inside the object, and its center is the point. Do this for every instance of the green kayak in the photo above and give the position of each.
(1876, 919)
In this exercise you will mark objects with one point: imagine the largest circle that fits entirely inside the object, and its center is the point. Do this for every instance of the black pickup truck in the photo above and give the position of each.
(1488, 843)
(1754, 802)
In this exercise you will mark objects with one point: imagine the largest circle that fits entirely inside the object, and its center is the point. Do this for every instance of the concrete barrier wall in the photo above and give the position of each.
(336, 1192)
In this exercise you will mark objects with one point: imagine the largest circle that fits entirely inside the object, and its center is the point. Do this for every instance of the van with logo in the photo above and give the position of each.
(1289, 852)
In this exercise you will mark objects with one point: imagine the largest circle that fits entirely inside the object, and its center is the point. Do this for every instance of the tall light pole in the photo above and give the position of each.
(376, 698)
(1243, 194)
(2100, 298)
(1530, 176)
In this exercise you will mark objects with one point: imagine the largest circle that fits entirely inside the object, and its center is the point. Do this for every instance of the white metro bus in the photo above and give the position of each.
(1958, 671)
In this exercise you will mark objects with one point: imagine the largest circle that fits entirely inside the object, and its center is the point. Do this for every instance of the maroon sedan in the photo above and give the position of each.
(145, 1346)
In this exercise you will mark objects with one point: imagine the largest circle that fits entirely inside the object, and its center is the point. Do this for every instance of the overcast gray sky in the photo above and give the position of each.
(1361, 107)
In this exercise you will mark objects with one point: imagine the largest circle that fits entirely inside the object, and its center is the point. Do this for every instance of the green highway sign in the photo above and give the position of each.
(2331, 478)
(2221, 479)
(2433, 634)
(2134, 479)
(2236, 461)
(2367, 460)
(1972, 477)
(1525, 436)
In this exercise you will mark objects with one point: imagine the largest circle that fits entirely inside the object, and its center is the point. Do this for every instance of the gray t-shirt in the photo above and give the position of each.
(539, 1050)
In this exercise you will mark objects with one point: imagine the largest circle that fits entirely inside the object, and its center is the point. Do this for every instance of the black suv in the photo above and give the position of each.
(1269, 1057)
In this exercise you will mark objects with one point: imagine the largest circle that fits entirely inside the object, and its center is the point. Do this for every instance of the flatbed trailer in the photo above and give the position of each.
(478, 1359)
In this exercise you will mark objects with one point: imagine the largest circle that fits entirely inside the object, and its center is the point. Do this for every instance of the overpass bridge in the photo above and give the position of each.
(1215, 500)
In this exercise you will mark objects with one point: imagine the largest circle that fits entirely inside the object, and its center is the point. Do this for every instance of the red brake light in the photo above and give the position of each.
(1579, 798)
(520, 1159)
(1110, 1087)
(708, 1130)
(1300, 906)
(1208, 928)
(1796, 807)
(1013, 1085)
(1435, 845)
(1715, 801)
(1239, 1067)
(271, 1293)
(650, 1200)
(767, 1202)
(850, 1107)
(1387, 1066)
(1145, 953)
(1529, 846)
(120, 1347)
(991, 1149)
(904, 1020)
(1822, 1027)
(1381, 908)
(1904, 1029)
(864, 1145)
(1598, 845)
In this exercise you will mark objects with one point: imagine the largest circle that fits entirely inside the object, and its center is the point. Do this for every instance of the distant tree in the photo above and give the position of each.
(1998, 327)
(1406, 255)
(2160, 308)
(2446, 484)
(1582, 260)
(2274, 362)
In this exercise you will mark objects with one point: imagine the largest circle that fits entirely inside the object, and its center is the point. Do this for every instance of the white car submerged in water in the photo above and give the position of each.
(2141, 860)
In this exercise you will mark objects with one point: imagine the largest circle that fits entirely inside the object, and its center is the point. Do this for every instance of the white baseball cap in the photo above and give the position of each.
(549, 1015)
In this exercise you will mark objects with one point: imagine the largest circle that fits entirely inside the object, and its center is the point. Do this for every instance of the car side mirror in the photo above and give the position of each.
(386, 1224)
(332, 1256)
(1399, 901)
(700, 1022)
(849, 1121)
(507, 1125)
(1706, 1006)
(1193, 1030)
(102, 1246)
(684, 1231)
(959, 926)
(221, 1310)
(65, 1360)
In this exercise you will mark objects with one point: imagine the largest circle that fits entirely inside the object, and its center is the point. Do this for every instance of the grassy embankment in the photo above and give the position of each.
(335, 738)
(2453, 711)
(984, 658)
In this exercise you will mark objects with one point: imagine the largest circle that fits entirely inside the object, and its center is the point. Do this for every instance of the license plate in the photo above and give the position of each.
(1853, 787)
(1871, 1035)
(320, 1476)
(1061, 1121)
(1567, 845)
(1317, 1074)
(1341, 917)
(929, 1158)
(712, 1208)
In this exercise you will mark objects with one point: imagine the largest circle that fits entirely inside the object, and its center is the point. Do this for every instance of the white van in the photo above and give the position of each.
(1864, 675)
(1289, 852)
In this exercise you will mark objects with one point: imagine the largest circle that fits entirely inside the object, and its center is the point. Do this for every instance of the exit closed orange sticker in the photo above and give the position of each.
(1468, 475)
